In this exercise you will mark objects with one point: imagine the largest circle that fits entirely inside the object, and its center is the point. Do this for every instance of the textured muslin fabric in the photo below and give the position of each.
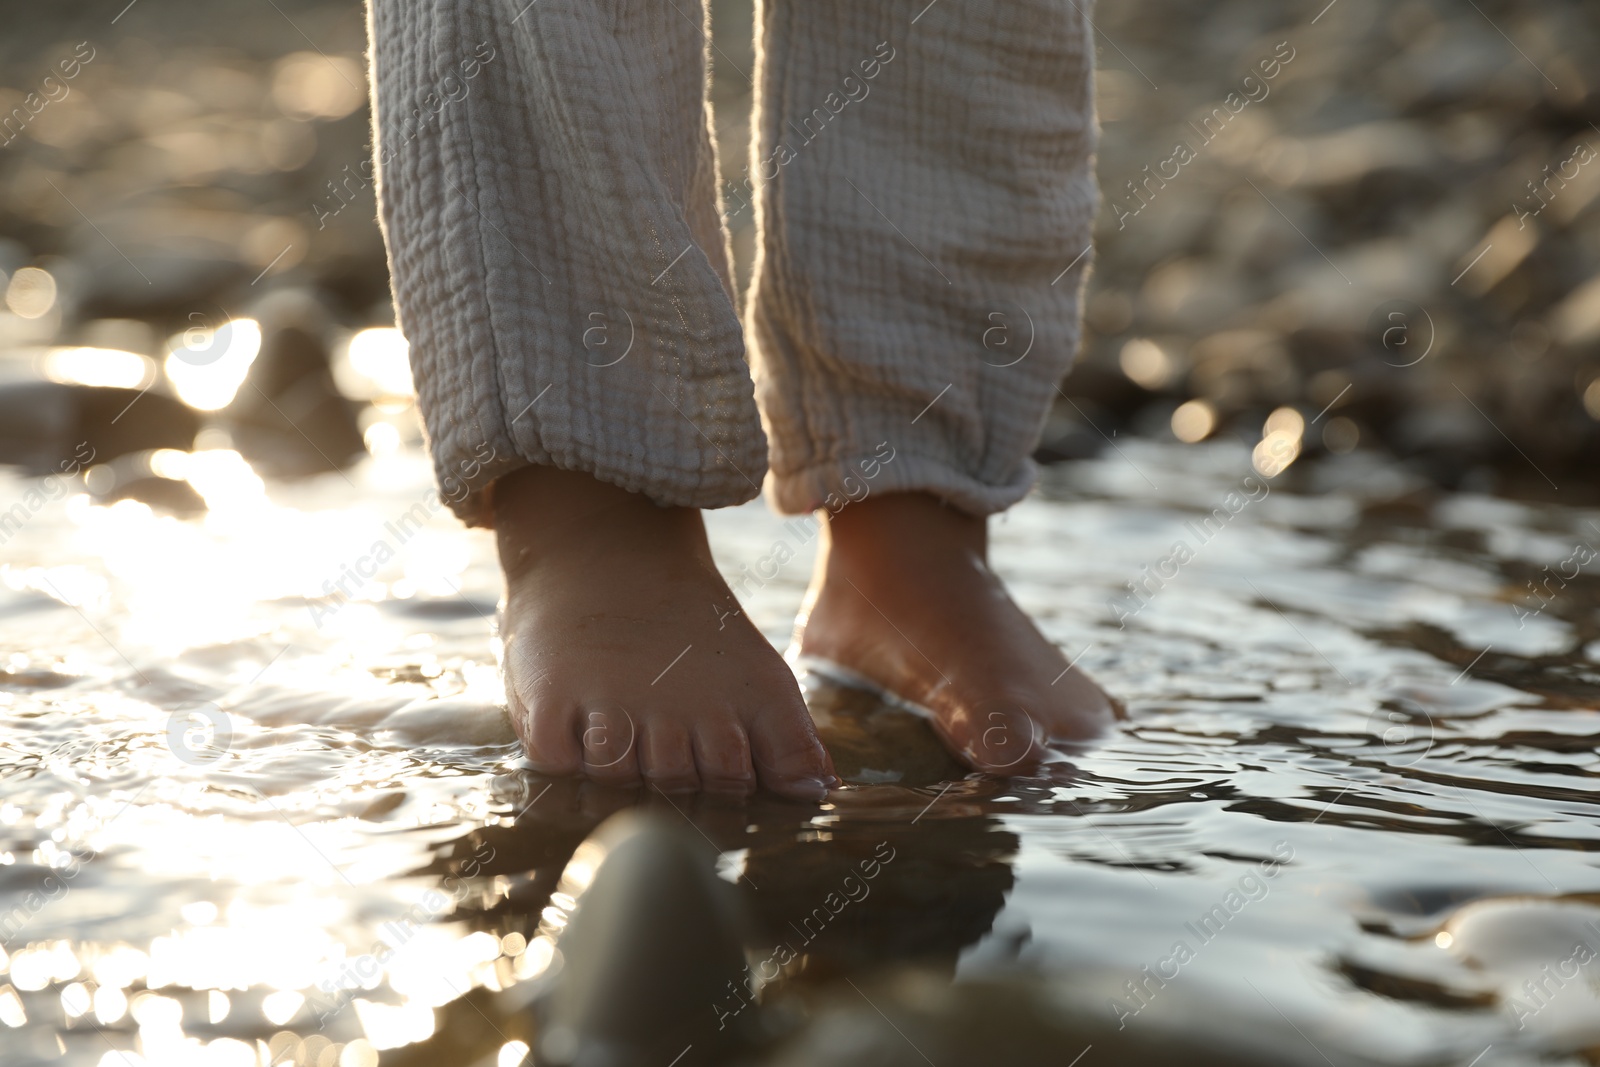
(923, 181)
(916, 225)
(558, 262)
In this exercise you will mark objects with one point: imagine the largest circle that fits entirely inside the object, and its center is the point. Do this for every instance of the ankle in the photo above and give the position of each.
(544, 513)
(892, 526)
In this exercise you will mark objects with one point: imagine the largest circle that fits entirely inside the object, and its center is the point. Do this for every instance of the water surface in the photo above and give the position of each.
(259, 809)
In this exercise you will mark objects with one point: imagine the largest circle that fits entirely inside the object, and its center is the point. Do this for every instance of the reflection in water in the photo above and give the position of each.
(250, 820)
(865, 893)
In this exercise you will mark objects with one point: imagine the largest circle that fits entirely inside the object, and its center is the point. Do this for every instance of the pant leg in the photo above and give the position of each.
(926, 182)
(547, 190)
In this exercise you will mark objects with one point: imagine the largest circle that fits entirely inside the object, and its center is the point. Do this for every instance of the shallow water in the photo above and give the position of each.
(1357, 785)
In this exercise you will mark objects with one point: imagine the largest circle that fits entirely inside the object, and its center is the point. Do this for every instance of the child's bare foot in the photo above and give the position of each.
(624, 655)
(903, 597)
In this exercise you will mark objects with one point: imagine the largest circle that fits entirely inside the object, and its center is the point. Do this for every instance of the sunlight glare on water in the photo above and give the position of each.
(262, 804)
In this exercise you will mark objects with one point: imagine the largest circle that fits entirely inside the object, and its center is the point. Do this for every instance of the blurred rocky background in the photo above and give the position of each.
(1366, 226)
(1396, 238)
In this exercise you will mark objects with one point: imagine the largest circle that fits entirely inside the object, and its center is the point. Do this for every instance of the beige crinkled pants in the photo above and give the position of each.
(922, 176)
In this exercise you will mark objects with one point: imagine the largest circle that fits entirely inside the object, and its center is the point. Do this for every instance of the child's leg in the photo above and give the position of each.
(926, 228)
(548, 199)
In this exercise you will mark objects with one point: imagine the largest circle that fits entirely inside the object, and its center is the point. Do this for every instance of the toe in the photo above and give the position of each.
(789, 758)
(722, 755)
(608, 736)
(997, 736)
(1087, 709)
(666, 758)
(546, 726)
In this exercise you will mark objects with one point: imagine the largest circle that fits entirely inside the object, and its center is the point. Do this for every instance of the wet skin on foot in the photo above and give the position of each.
(902, 596)
(624, 658)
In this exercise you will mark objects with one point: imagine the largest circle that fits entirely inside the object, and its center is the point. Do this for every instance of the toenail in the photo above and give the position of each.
(815, 788)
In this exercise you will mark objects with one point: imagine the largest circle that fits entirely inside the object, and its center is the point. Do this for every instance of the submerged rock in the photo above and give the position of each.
(289, 418)
(51, 427)
(874, 743)
(650, 950)
(135, 477)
